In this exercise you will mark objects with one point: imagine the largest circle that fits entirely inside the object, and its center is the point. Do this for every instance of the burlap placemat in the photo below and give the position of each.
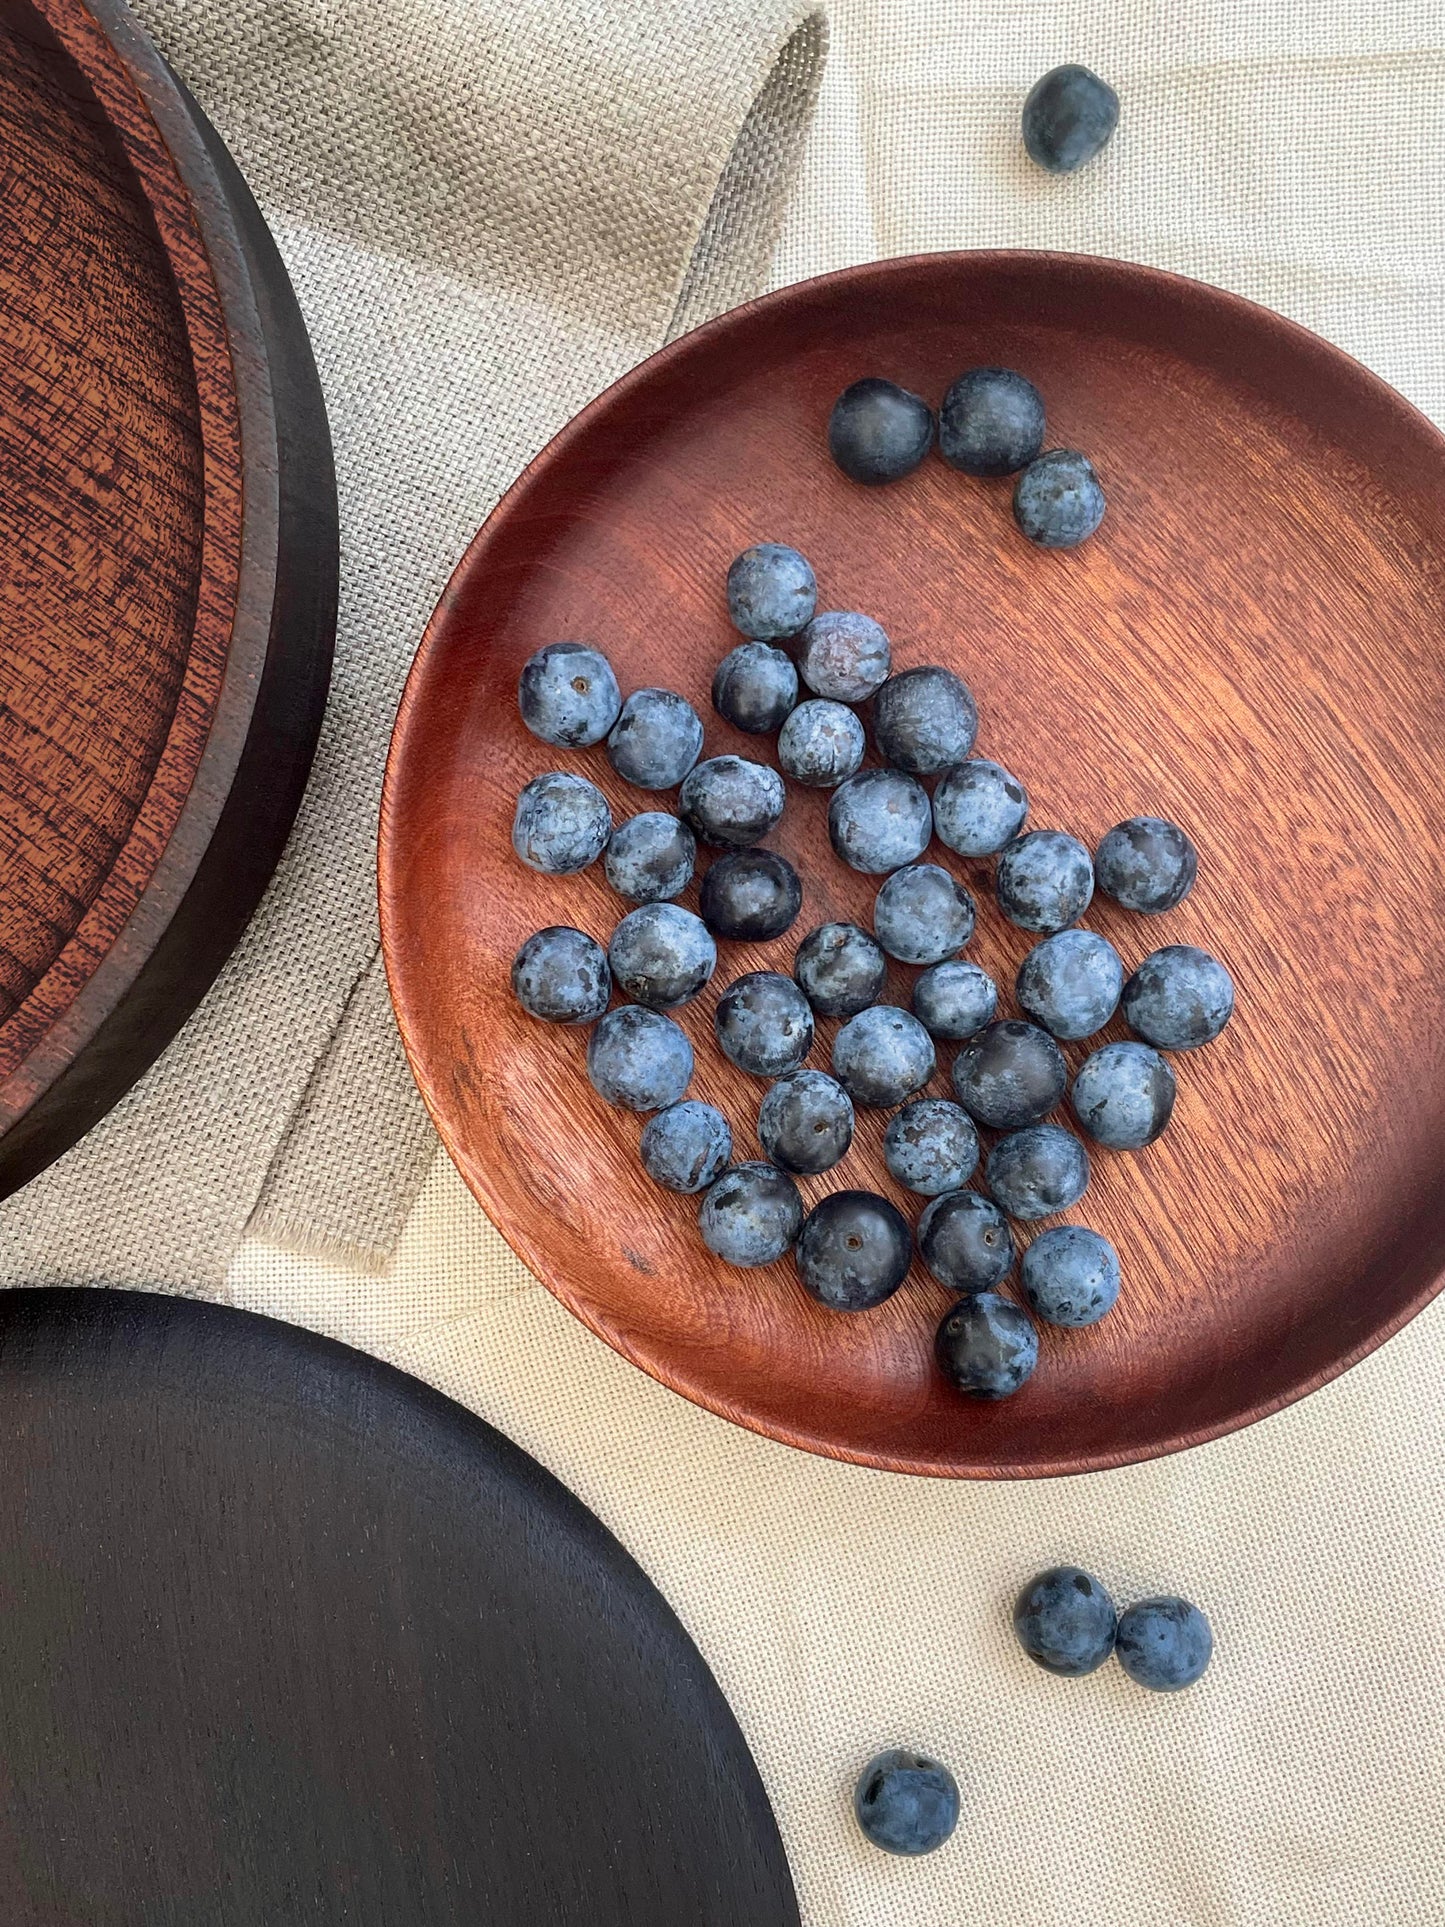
(489, 211)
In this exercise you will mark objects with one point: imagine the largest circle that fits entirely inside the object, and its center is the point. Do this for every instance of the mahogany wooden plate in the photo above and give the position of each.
(1252, 645)
(291, 1637)
(168, 564)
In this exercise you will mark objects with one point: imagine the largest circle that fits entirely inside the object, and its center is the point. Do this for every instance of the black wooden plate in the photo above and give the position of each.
(286, 1636)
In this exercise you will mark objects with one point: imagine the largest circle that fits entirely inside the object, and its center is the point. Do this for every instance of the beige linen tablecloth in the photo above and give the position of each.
(1289, 151)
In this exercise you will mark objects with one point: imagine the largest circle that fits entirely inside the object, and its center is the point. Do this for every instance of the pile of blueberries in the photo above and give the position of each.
(853, 1249)
(1065, 1620)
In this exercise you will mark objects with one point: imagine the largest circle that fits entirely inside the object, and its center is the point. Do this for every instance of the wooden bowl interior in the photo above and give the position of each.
(119, 511)
(1251, 646)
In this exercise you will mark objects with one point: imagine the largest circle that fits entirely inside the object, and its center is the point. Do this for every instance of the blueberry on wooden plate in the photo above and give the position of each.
(731, 801)
(965, 1241)
(1123, 1095)
(979, 807)
(1009, 1075)
(931, 1147)
(755, 687)
(638, 1059)
(656, 739)
(805, 1123)
(1059, 500)
(661, 955)
(650, 857)
(1070, 1276)
(1044, 880)
(750, 896)
(1037, 1171)
(568, 695)
(686, 1146)
(843, 655)
(1071, 983)
(987, 1346)
(954, 999)
(879, 820)
(853, 1251)
(991, 422)
(771, 591)
(562, 823)
(561, 976)
(882, 1056)
(821, 744)
(925, 720)
(878, 431)
(751, 1215)
(840, 969)
(922, 914)
(764, 1023)
(1146, 863)
(1179, 998)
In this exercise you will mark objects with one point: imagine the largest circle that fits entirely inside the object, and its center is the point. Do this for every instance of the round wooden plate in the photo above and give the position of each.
(1251, 645)
(168, 582)
(289, 1636)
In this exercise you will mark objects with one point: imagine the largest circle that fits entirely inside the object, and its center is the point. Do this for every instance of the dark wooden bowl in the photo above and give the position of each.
(168, 587)
(1251, 645)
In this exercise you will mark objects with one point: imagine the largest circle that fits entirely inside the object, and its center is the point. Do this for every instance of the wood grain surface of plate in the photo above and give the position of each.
(1252, 645)
(291, 1637)
(167, 564)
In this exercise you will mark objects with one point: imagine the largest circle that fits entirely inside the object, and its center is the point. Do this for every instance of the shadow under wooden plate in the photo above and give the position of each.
(1251, 645)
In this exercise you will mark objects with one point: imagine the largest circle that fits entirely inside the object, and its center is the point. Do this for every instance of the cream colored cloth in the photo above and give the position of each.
(488, 211)
(1290, 152)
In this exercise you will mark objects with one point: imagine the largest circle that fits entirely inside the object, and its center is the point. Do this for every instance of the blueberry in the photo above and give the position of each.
(656, 740)
(923, 915)
(843, 655)
(805, 1123)
(924, 720)
(906, 1803)
(1179, 998)
(686, 1146)
(755, 687)
(1065, 1620)
(772, 592)
(750, 896)
(1146, 864)
(568, 695)
(987, 1346)
(562, 823)
(1044, 880)
(764, 1023)
(878, 431)
(840, 969)
(979, 807)
(1058, 502)
(882, 1056)
(1164, 1644)
(853, 1251)
(954, 999)
(561, 976)
(991, 422)
(1069, 115)
(650, 857)
(821, 744)
(931, 1147)
(731, 801)
(751, 1215)
(1009, 1075)
(661, 955)
(639, 1059)
(1071, 1275)
(1070, 983)
(1123, 1095)
(965, 1241)
(879, 820)
(1037, 1171)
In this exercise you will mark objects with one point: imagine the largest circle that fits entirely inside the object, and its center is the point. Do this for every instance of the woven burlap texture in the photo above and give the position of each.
(489, 211)
(1288, 152)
